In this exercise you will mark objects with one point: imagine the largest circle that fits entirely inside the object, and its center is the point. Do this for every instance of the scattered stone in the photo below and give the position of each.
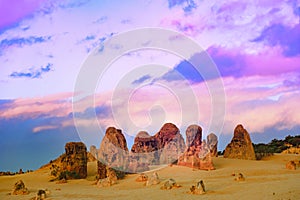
(240, 146)
(42, 194)
(142, 178)
(111, 179)
(198, 189)
(291, 165)
(19, 188)
(240, 177)
(153, 180)
(169, 184)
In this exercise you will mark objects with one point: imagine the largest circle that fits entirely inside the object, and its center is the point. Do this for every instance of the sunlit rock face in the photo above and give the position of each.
(113, 150)
(240, 146)
(197, 153)
(75, 159)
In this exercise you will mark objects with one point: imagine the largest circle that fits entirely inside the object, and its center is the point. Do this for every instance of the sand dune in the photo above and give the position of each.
(265, 179)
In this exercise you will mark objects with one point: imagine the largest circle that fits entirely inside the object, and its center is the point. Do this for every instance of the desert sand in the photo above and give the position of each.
(264, 179)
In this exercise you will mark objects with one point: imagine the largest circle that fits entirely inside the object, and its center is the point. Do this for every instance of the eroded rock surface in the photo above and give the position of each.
(153, 180)
(74, 161)
(240, 146)
(113, 150)
(162, 148)
(199, 188)
(291, 165)
(19, 188)
(197, 154)
(212, 142)
(111, 179)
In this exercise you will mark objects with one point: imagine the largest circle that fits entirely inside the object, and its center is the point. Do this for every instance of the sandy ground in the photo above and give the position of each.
(265, 179)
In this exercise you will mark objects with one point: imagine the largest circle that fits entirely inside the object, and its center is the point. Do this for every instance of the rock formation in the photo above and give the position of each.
(74, 161)
(94, 151)
(143, 152)
(291, 165)
(205, 161)
(145, 148)
(193, 136)
(19, 188)
(162, 148)
(170, 143)
(101, 170)
(113, 150)
(142, 178)
(111, 179)
(42, 194)
(240, 146)
(240, 177)
(170, 184)
(190, 157)
(153, 180)
(198, 189)
(212, 142)
(197, 154)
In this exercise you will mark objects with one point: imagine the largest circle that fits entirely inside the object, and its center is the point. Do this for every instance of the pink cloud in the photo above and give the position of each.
(269, 61)
(43, 128)
(57, 105)
(249, 100)
(14, 10)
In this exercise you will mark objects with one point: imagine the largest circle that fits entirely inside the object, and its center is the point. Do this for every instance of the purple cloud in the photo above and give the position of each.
(287, 37)
(232, 62)
(11, 12)
(142, 79)
(32, 73)
(21, 41)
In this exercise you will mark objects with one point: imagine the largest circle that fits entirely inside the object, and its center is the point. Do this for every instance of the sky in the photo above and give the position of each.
(72, 68)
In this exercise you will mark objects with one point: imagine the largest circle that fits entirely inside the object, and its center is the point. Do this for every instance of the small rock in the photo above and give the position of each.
(198, 189)
(153, 180)
(240, 177)
(291, 165)
(42, 194)
(141, 178)
(169, 184)
(19, 188)
(110, 180)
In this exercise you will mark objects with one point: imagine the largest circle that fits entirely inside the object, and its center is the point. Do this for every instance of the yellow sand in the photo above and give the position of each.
(265, 179)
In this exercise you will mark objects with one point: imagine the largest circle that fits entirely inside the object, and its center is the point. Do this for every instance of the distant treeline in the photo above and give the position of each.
(276, 146)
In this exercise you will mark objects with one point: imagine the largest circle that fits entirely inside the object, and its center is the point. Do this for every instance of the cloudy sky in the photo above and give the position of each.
(247, 72)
